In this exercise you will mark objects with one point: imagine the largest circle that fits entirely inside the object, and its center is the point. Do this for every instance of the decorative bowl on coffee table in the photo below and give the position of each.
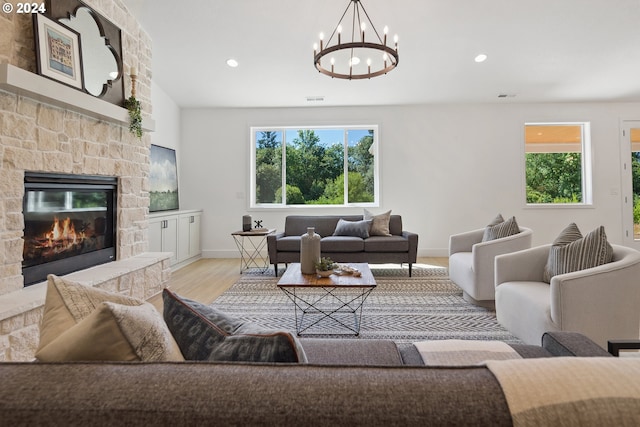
(324, 273)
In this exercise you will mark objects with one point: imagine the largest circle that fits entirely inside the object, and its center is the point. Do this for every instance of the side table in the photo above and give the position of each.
(251, 245)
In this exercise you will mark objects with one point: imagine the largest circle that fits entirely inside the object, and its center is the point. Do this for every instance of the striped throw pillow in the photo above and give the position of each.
(499, 228)
(572, 252)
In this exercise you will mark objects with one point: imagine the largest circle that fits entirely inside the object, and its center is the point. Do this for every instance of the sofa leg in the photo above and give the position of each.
(410, 265)
(275, 269)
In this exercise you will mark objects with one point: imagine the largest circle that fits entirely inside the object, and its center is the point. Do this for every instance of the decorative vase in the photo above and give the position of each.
(309, 251)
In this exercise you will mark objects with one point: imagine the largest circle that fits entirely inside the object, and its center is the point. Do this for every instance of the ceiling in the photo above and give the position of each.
(538, 51)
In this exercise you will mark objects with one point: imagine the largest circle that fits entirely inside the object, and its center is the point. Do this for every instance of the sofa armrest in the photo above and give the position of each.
(611, 289)
(413, 245)
(272, 240)
(463, 242)
(571, 344)
(522, 266)
(484, 253)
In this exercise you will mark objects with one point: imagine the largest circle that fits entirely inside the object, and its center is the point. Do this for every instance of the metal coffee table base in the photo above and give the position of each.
(342, 307)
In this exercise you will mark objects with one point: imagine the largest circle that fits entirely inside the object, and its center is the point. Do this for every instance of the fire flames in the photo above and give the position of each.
(62, 233)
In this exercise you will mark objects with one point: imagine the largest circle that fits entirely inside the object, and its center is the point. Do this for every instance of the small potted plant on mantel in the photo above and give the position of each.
(325, 266)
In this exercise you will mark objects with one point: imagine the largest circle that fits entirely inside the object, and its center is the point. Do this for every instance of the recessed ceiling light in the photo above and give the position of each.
(481, 58)
(232, 63)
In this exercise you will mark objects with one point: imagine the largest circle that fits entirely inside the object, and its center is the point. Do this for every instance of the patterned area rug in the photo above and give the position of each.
(427, 306)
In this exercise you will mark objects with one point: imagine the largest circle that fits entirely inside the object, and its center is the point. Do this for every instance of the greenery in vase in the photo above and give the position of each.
(325, 264)
(135, 116)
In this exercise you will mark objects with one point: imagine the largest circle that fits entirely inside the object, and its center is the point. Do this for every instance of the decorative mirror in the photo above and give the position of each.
(101, 45)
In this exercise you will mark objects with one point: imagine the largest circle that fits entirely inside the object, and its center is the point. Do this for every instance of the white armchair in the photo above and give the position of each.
(602, 302)
(471, 262)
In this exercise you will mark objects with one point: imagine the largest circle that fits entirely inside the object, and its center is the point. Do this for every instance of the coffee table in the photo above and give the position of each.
(337, 299)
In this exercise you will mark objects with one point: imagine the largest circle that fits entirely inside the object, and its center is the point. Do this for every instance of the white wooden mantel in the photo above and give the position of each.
(25, 83)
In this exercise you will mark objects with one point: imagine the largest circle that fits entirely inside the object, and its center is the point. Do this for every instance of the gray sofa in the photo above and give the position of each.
(347, 382)
(400, 247)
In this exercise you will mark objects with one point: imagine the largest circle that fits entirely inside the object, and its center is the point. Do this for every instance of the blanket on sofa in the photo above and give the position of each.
(571, 391)
(463, 352)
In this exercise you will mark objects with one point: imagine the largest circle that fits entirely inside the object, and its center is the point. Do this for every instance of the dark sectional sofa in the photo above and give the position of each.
(400, 247)
(347, 382)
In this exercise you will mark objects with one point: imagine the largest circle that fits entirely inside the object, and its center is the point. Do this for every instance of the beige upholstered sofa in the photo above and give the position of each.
(602, 302)
(471, 261)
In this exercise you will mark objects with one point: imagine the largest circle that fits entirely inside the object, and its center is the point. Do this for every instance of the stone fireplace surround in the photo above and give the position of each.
(40, 136)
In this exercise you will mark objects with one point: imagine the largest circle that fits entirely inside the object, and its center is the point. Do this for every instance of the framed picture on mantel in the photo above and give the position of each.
(163, 179)
(57, 51)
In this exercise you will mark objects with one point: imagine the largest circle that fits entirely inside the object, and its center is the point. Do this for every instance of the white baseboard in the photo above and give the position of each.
(230, 253)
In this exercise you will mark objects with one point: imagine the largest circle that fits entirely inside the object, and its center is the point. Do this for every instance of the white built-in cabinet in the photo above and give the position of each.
(177, 232)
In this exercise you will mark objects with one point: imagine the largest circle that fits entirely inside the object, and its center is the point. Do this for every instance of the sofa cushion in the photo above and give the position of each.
(340, 351)
(379, 223)
(386, 244)
(572, 252)
(204, 333)
(499, 228)
(341, 244)
(352, 228)
(86, 323)
(288, 244)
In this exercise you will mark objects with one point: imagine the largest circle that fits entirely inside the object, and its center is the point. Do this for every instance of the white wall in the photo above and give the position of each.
(445, 169)
(166, 114)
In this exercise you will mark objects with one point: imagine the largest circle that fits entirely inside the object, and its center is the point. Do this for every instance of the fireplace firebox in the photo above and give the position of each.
(70, 223)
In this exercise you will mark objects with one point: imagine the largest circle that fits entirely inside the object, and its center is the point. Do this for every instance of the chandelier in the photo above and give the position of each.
(366, 55)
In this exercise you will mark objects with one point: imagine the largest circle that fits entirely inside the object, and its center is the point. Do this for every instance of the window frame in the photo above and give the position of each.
(586, 166)
(254, 130)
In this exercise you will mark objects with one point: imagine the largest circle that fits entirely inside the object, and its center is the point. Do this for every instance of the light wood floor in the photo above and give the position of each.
(205, 279)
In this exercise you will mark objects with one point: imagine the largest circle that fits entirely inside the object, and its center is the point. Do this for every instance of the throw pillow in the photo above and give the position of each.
(86, 323)
(379, 223)
(572, 252)
(498, 229)
(115, 332)
(352, 228)
(68, 303)
(204, 333)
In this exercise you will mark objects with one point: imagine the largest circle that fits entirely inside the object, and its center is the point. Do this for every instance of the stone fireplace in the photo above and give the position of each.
(39, 136)
(69, 223)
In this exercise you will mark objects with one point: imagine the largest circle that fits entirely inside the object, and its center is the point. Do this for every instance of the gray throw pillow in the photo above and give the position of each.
(204, 333)
(352, 228)
(499, 228)
(572, 252)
